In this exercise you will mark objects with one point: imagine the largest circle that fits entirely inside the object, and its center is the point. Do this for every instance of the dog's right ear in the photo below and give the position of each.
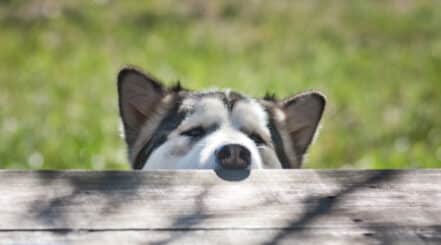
(139, 95)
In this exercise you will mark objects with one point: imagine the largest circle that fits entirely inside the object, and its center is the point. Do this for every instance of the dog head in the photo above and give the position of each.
(174, 128)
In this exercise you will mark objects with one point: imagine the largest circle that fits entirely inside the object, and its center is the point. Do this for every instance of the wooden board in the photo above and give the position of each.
(334, 207)
(330, 236)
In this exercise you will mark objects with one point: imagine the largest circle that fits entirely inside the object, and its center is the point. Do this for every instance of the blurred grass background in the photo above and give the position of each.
(379, 62)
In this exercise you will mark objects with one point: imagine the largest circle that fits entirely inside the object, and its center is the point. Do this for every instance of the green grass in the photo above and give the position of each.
(378, 62)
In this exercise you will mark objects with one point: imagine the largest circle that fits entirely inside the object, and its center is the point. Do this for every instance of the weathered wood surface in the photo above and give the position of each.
(200, 207)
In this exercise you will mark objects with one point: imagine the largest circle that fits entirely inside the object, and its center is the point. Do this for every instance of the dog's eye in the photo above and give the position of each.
(194, 132)
(257, 139)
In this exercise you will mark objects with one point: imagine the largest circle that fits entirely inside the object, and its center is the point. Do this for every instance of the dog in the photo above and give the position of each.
(176, 128)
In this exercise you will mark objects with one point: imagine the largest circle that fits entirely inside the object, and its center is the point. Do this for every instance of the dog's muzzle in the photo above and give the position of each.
(233, 156)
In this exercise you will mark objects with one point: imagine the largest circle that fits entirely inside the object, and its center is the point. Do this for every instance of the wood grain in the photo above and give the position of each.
(330, 236)
(366, 207)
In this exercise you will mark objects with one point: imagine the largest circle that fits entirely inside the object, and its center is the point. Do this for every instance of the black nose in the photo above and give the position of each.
(233, 156)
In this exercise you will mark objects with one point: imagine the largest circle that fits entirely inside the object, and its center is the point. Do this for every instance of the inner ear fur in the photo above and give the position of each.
(139, 95)
(303, 113)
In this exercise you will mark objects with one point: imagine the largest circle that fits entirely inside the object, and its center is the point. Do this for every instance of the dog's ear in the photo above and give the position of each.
(302, 116)
(139, 95)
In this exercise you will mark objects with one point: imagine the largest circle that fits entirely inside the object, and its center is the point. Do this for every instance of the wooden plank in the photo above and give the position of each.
(331, 236)
(201, 200)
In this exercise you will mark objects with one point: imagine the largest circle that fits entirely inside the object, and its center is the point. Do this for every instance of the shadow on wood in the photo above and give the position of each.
(264, 207)
(119, 188)
(316, 206)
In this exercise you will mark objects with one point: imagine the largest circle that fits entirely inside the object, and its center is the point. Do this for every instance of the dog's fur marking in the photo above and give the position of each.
(206, 112)
(284, 148)
(230, 113)
(151, 125)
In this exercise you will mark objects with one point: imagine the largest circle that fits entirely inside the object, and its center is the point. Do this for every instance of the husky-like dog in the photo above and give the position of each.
(175, 128)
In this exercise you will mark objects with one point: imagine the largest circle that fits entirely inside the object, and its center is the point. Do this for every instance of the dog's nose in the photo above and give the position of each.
(234, 156)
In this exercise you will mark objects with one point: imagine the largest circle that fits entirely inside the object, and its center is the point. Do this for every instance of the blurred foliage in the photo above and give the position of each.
(379, 62)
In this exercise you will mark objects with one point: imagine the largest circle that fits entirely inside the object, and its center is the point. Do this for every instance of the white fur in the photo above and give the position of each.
(178, 152)
(202, 154)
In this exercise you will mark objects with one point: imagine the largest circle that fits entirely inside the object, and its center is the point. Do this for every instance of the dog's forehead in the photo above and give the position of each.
(203, 111)
(202, 105)
(225, 106)
(249, 115)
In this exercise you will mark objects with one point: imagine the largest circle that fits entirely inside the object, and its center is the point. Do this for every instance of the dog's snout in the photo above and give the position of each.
(234, 156)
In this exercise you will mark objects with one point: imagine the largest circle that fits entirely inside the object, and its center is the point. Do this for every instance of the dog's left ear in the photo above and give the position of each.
(139, 96)
(302, 116)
